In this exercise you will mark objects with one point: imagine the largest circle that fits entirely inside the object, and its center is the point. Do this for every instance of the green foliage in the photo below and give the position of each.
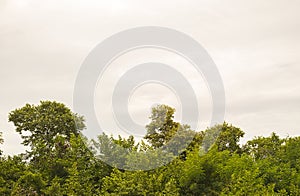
(114, 151)
(192, 175)
(262, 148)
(63, 162)
(12, 168)
(29, 184)
(289, 152)
(162, 127)
(40, 125)
(147, 160)
(55, 188)
(139, 183)
(224, 136)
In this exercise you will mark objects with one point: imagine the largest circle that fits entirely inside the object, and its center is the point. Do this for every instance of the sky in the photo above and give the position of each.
(254, 44)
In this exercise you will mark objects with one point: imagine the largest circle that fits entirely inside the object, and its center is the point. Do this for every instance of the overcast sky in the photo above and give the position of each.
(255, 45)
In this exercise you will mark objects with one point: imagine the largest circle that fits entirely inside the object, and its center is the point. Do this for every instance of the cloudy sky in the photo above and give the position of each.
(255, 45)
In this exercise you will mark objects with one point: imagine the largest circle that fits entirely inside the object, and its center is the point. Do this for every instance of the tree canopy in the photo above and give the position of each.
(60, 162)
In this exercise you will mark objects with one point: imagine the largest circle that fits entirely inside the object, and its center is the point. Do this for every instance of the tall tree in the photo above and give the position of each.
(47, 129)
(162, 126)
(40, 125)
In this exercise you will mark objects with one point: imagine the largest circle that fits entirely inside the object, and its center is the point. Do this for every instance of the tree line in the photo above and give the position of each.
(61, 161)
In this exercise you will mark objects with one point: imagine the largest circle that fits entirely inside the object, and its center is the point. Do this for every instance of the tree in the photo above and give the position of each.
(154, 182)
(85, 172)
(59, 152)
(192, 175)
(29, 184)
(278, 160)
(224, 136)
(114, 151)
(263, 147)
(12, 168)
(162, 126)
(62, 163)
(248, 182)
(40, 125)
(289, 152)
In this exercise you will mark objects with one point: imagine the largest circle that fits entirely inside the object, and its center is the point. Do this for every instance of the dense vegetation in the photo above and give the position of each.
(60, 161)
